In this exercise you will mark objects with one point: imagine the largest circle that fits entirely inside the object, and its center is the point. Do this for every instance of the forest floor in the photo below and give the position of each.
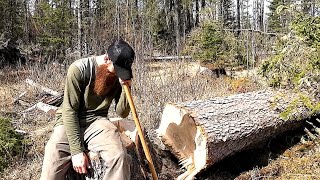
(283, 157)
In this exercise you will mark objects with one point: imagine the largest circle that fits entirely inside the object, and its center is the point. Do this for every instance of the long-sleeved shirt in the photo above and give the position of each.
(81, 105)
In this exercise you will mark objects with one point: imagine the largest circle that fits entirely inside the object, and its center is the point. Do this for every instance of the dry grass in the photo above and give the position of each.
(157, 83)
(301, 161)
(154, 85)
(28, 165)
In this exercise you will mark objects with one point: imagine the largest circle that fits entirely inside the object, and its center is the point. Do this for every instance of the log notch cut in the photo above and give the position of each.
(201, 133)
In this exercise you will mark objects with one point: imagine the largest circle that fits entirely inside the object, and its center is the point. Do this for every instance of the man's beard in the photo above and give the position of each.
(104, 80)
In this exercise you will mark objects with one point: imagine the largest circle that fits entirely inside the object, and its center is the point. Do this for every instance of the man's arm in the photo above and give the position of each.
(70, 107)
(122, 104)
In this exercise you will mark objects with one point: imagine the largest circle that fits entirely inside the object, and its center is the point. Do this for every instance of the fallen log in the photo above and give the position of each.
(201, 133)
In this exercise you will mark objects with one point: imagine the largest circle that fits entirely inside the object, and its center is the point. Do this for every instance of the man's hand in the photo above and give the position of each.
(128, 82)
(80, 163)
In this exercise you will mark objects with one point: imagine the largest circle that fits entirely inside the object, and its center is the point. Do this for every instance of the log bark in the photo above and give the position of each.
(201, 133)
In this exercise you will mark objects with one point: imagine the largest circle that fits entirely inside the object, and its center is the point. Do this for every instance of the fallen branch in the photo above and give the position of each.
(44, 89)
(166, 57)
(20, 131)
(15, 100)
(43, 107)
(314, 127)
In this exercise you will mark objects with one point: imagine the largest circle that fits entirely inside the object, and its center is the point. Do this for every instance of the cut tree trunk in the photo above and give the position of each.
(201, 133)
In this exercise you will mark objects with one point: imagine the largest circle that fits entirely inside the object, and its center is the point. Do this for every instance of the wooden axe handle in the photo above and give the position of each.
(140, 133)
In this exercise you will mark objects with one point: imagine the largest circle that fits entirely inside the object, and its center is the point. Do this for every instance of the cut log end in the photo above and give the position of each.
(184, 138)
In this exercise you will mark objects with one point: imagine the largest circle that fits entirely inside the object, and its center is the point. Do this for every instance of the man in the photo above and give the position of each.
(82, 123)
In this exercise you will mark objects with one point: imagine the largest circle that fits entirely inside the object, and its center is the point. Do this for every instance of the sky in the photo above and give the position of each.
(266, 4)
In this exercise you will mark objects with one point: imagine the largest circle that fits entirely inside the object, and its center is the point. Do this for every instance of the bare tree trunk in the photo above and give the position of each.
(253, 27)
(197, 13)
(118, 18)
(247, 49)
(238, 18)
(177, 25)
(254, 15)
(86, 26)
(184, 20)
(133, 22)
(253, 49)
(313, 8)
(137, 8)
(71, 13)
(261, 17)
(217, 10)
(221, 11)
(26, 23)
(203, 4)
(127, 17)
(248, 20)
(79, 27)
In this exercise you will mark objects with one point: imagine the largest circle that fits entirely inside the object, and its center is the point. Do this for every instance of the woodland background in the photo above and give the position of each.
(278, 40)
(56, 28)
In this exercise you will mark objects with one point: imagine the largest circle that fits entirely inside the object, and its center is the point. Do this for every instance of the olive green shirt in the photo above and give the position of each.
(81, 105)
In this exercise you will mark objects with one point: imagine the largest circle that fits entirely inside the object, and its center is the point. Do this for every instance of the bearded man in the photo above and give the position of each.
(81, 121)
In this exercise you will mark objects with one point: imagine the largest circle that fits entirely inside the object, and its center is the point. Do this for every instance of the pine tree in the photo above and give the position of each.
(12, 18)
(278, 22)
(53, 21)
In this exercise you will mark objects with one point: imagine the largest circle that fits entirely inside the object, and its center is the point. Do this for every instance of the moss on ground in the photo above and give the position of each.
(11, 143)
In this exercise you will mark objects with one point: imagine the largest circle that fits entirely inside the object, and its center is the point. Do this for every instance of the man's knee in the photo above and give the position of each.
(57, 149)
(118, 155)
(121, 155)
(49, 149)
(55, 163)
(105, 124)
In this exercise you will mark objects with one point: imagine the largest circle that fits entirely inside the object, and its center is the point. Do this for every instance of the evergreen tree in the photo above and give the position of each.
(53, 22)
(278, 22)
(12, 18)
